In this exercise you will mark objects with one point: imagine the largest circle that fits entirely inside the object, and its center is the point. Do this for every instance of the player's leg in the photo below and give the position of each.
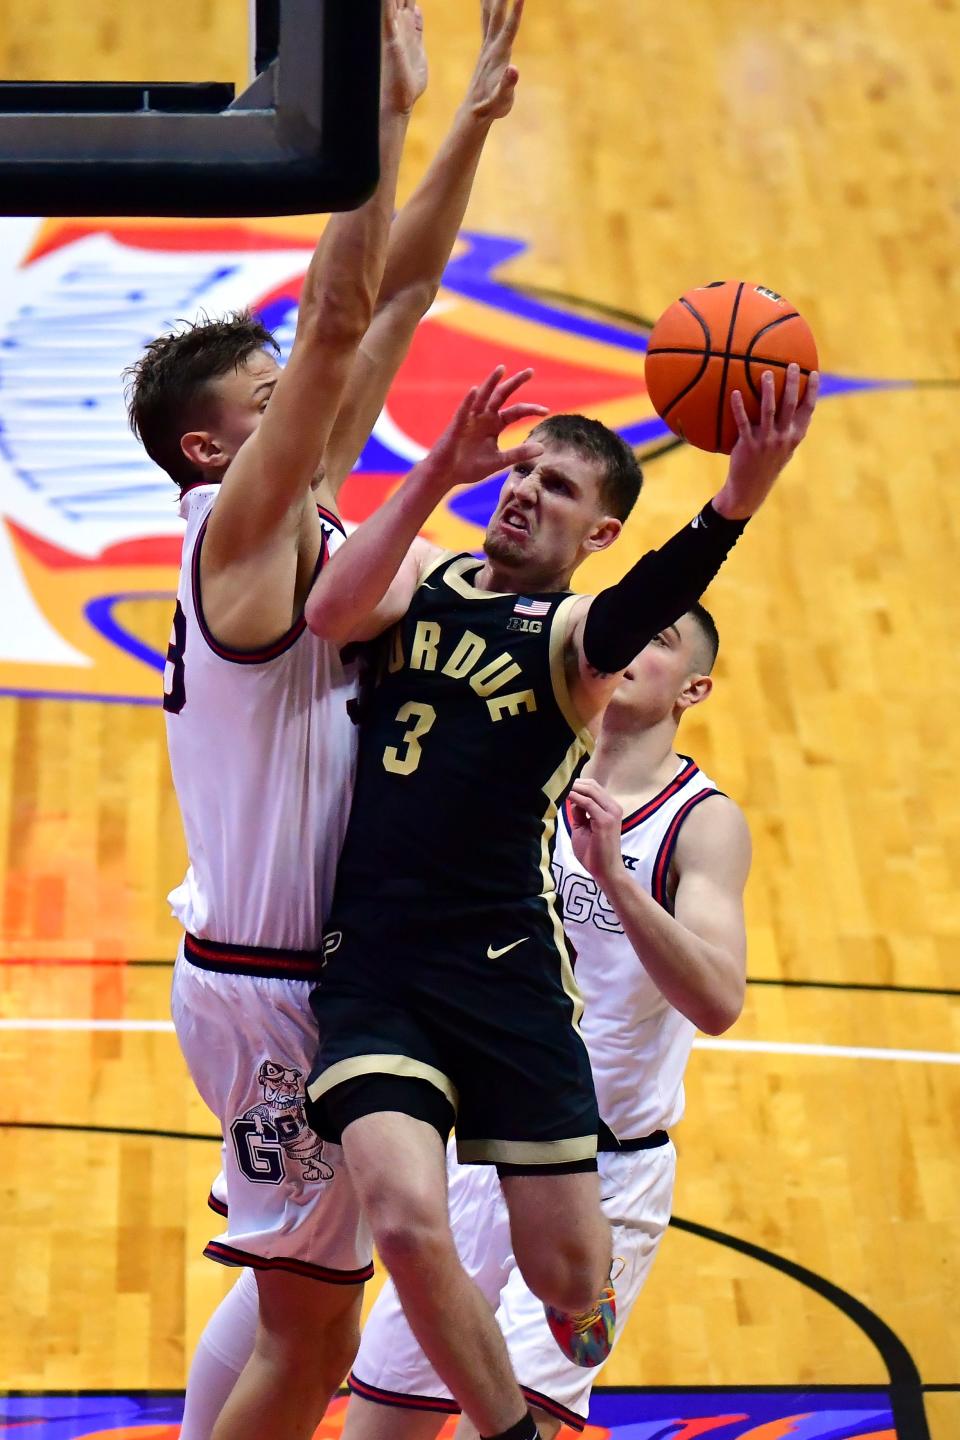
(546, 1425)
(222, 1351)
(307, 1336)
(368, 1420)
(561, 1239)
(398, 1170)
(395, 1391)
(292, 1215)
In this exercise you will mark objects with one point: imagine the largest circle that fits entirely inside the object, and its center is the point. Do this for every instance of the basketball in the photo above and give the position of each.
(717, 339)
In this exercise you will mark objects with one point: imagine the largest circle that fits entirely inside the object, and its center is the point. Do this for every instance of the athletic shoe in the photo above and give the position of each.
(586, 1339)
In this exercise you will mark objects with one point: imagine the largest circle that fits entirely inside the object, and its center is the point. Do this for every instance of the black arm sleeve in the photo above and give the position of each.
(660, 588)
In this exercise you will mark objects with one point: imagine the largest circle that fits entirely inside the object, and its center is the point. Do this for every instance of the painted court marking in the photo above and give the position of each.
(746, 1047)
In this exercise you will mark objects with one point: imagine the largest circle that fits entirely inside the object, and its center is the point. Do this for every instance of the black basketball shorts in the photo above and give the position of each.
(477, 1003)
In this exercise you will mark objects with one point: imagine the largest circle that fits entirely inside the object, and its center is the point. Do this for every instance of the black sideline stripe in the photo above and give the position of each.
(905, 1385)
(107, 1130)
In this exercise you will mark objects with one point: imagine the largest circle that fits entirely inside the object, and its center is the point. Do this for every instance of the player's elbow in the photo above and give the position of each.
(338, 315)
(410, 303)
(325, 618)
(722, 1008)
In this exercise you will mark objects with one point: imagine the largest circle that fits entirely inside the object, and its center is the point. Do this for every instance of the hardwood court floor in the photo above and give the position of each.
(813, 149)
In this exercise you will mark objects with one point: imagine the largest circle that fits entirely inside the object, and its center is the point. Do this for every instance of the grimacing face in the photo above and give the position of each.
(667, 672)
(548, 512)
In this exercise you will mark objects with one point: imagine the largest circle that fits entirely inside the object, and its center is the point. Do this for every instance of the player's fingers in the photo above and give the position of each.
(740, 415)
(519, 455)
(509, 387)
(486, 389)
(464, 409)
(495, 16)
(579, 817)
(600, 799)
(789, 398)
(522, 411)
(768, 404)
(809, 402)
(513, 22)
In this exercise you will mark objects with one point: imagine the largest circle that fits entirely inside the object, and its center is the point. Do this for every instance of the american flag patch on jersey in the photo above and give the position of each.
(533, 608)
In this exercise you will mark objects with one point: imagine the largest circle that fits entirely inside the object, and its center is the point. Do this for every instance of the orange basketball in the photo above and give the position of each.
(717, 339)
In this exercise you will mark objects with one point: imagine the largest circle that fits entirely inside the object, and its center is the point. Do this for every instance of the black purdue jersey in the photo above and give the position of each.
(468, 744)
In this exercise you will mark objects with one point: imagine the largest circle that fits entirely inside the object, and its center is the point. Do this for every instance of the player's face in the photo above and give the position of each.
(242, 397)
(549, 515)
(666, 674)
(237, 403)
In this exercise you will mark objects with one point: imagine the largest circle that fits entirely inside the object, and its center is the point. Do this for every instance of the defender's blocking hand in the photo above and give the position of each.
(404, 75)
(467, 451)
(494, 82)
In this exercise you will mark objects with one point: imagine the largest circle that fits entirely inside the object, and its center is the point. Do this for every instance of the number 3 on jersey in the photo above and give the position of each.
(423, 717)
(174, 694)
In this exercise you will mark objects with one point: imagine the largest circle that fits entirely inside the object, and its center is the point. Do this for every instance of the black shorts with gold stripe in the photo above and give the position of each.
(456, 1015)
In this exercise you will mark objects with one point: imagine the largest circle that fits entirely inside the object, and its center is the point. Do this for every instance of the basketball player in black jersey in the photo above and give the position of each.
(448, 989)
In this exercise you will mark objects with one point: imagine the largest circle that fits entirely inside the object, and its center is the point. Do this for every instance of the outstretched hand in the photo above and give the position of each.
(764, 449)
(494, 82)
(467, 451)
(404, 73)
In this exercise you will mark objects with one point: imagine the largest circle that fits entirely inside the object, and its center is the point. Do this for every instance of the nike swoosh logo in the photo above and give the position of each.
(495, 954)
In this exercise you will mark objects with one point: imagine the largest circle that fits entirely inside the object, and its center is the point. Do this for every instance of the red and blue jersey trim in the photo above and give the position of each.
(441, 1405)
(252, 960)
(554, 1408)
(434, 1403)
(218, 1206)
(264, 654)
(243, 1259)
(661, 866)
(637, 817)
(332, 518)
(685, 775)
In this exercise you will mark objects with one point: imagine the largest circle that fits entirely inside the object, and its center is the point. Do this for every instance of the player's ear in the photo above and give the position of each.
(603, 533)
(695, 690)
(203, 451)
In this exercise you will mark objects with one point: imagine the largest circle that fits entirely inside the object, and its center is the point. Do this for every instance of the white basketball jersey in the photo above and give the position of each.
(263, 752)
(638, 1043)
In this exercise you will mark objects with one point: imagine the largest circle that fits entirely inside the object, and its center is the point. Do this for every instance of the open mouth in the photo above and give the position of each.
(516, 523)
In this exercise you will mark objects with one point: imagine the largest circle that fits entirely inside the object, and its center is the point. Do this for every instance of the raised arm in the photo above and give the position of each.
(697, 956)
(609, 629)
(347, 599)
(421, 241)
(264, 536)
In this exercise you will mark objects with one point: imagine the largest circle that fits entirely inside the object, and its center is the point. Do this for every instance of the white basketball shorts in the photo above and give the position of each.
(249, 1042)
(637, 1193)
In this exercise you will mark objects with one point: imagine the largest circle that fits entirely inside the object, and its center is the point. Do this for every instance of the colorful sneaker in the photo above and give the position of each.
(586, 1339)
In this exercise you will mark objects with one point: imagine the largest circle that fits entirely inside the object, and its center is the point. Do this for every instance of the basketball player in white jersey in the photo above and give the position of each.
(651, 863)
(262, 748)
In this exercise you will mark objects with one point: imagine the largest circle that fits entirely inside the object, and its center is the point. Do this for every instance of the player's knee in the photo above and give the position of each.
(568, 1275)
(411, 1235)
(308, 1323)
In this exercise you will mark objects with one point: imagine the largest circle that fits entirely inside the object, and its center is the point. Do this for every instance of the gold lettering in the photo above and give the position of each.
(467, 652)
(512, 704)
(426, 638)
(396, 662)
(495, 674)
